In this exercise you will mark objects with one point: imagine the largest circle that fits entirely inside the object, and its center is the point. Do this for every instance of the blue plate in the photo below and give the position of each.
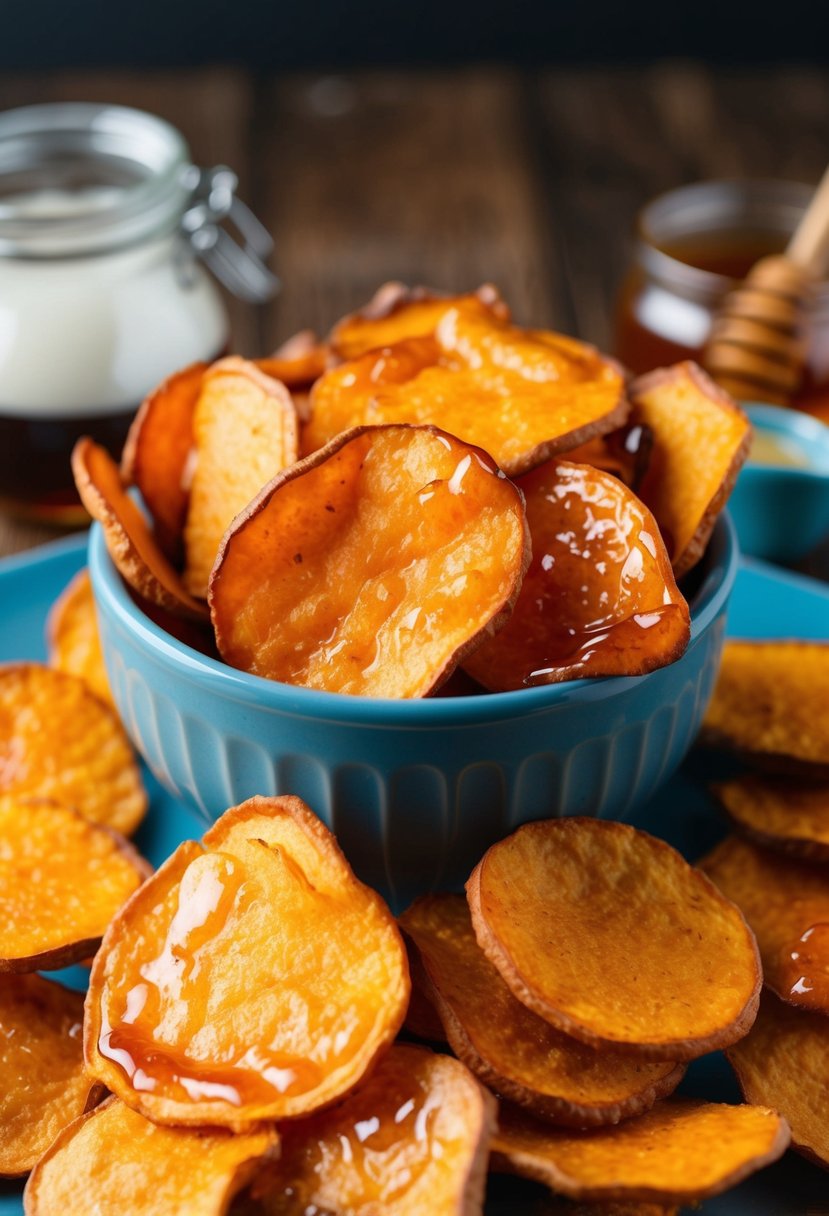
(765, 603)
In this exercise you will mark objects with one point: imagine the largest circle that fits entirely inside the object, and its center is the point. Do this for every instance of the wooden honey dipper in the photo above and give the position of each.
(757, 346)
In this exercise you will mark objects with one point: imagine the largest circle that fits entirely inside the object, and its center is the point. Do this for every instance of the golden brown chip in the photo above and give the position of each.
(625, 453)
(58, 740)
(131, 545)
(682, 1151)
(769, 705)
(701, 441)
(43, 1084)
(253, 977)
(294, 365)
(157, 453)
(599, 597)
(72, 635)
(244, 431)
(784, 1062)
(611, 936)
(780, 813)
(113, 1161)
(62, 879)
(413, 1139)
(786, 902)
(373, 566)
(508, 1046)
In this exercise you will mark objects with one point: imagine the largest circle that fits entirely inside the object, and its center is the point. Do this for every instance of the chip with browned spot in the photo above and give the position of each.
(62, 880)
(608, 934)
(414, 1138)
(599, 597)
(58, 740)
(253, 976)
(780, 813)
(113, 1161)
(682, 1151)
(72, 636)
(373, 566)
(43, 1084)
(509, 1047)
(700, 442)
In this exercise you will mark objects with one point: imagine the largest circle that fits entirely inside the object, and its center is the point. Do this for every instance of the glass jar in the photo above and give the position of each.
(104, 225)
(693, 245)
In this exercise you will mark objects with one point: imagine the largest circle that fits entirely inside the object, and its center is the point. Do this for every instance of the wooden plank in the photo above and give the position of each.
(419, 177)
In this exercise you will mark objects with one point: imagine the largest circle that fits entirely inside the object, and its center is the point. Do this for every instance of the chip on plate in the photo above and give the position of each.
(780, 813)
(62, 879)
(599, 597)
(58, 740)
(72, 635)
(119, 1162)
(509, 1047)
(412, 1139)
(253, 977)
(43, 1084)
(373, 566)
(682, 1151)
(700, 442)
(608, 934)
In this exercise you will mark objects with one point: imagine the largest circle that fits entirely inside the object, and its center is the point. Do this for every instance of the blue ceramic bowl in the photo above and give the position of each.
(415, 790)
(781, 511)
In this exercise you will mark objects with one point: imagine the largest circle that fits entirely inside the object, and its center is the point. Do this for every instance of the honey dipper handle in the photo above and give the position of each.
(810, 244)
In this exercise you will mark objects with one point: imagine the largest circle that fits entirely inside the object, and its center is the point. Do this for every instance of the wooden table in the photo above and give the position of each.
(452, 178)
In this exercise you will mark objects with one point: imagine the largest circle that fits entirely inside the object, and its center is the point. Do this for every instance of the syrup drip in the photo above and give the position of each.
(806, 970)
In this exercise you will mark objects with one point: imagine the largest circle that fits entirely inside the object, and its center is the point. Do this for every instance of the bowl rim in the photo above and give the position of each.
(257, 692)
(803, 428)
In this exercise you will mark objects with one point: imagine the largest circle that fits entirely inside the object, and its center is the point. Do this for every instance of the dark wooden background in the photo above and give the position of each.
(531, 179)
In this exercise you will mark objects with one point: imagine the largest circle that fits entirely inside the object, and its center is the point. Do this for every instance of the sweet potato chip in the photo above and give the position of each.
(253, 977)
(131, 545)
(611, 936)
(784, 1062)
(157, 453)
(785, 901)
(701, 441)
(72, 636)
(780, 813)
(62, 879)
(599, 597)
(508, 1046)
(119, 1162)
(245, 431)
(43, 1084)
(373, 566)
(58, 740)
(682, 1151)
(413, 1139)
(769, 705)
(397, 312)
(625, 452)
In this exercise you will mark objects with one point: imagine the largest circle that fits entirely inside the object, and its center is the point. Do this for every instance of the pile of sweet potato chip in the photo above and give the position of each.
(431, 522)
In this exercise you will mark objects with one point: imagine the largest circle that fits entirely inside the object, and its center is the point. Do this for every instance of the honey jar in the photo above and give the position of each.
(693, 245)
(108, 235)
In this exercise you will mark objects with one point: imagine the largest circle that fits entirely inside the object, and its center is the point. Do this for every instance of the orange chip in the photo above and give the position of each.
(786, 902)
(422, 1019)
(298, 362)
(72, 635)
(625, 453)
(119, 1162)
(58, 740)
(769, 705)
(413, 1139)
(245, 431)
(373, 566)
(43, 1084)
(781, 814)
(253, 977)
(784, 1062)
(701, 441)
(611, 936)
(130, 543)
(599, 597)
(397, 312)
(49, 916)
(510, 1048)
(157, 453)
(682, 1151)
